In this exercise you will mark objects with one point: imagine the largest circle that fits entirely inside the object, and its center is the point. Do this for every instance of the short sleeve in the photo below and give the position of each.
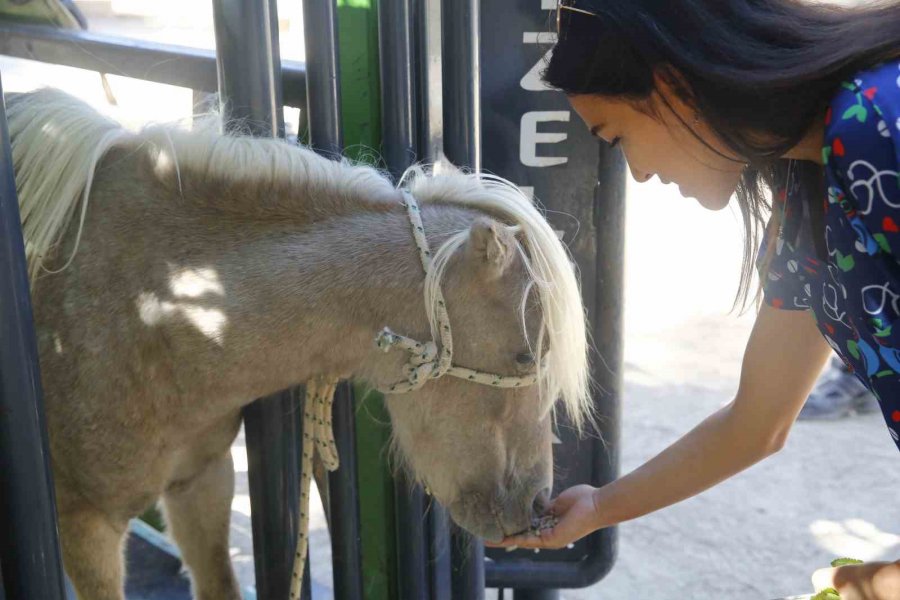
(862, 158)
(781, 269)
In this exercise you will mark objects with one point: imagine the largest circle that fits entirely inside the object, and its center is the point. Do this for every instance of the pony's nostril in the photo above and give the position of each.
(541, 502)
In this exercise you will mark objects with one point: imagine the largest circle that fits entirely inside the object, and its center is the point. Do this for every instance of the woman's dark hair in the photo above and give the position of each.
(760, 72)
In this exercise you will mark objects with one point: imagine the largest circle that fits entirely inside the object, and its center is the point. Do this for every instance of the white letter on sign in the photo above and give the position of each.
(530, 138)
(532, 80)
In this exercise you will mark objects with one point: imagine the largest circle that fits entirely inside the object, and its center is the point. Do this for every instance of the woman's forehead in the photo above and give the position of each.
(600, 110)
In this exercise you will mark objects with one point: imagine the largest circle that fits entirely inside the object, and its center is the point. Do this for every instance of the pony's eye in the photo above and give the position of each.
(525, 359)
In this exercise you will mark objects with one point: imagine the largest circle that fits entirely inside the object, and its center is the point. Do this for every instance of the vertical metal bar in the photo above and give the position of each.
(432, 76)
(467, 566)
(306, 590)
(462, 146)
(412, 545)
(462, 82)
(326, 137)
(323, 97)
(29, 551)
(440, 554)
(400, 136)
(428, 58)
(344, 497)
(270, 425)
(398, 113)
(248, 60)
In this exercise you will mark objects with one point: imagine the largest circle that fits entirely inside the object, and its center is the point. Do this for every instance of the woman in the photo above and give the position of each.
(729, 98)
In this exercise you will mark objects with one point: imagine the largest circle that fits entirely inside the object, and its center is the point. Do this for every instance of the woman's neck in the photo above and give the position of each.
(810, 146)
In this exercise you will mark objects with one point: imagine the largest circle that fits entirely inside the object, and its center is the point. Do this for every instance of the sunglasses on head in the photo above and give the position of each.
(568, 7)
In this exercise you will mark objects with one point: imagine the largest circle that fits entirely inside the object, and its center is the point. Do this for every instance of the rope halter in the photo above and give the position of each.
(428, 360)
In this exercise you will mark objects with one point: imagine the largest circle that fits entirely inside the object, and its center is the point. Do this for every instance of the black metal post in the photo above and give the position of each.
(462, 146)
(462, 82)
(439, 558)
(247, 61)
(398, 85)
(29, 543)
(343, 495)
(323, 96)
(326, 137)
(248, 64)
(400, 138)
(467, 566)
(273, 463)
(426, 42)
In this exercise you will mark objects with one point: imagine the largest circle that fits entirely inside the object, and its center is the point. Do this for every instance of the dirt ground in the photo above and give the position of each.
(758, 536)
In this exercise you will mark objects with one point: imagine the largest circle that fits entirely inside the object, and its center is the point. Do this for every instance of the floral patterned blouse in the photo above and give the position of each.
(855, 293)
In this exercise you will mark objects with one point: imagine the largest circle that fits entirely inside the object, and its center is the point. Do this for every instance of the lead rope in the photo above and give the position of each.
(317, 437)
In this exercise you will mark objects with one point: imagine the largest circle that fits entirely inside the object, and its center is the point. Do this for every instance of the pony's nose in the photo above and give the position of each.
(541, 502)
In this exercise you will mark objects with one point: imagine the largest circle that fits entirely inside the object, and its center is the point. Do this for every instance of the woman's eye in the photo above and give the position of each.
(615, 142)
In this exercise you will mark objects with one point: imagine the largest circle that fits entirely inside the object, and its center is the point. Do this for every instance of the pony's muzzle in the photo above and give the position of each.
(541, 503)
(503, 513)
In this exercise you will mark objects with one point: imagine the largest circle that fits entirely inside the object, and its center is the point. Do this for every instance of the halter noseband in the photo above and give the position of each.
(427, 360)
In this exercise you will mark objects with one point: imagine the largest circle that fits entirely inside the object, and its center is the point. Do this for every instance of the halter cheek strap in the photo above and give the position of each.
(428, 360)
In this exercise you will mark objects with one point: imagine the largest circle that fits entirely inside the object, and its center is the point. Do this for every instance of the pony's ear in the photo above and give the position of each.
(490, 247)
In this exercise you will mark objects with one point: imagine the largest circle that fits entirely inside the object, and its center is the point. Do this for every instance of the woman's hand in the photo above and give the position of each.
(869, 581)
(578, 515)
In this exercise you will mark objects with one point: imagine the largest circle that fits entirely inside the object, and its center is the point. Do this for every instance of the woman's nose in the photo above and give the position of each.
(641, 177)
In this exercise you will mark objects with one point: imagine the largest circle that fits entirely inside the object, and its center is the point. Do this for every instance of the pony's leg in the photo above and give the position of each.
(198, 512)
(92, 548)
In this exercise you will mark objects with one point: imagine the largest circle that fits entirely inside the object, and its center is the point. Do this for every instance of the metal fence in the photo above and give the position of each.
(429, 67)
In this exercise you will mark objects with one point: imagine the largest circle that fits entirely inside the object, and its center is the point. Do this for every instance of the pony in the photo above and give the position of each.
(178, 274)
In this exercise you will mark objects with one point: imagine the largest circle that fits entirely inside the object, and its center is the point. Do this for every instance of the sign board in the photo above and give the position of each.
(531, 136)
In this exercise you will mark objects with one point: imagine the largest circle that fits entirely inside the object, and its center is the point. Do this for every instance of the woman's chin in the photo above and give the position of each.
(709, 201)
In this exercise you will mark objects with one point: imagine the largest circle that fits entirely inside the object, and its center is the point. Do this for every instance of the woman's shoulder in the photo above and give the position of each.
(871, 98)
(861, 154)
(863, 119)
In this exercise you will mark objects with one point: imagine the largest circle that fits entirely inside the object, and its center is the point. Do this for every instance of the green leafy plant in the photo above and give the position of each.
(842, 562)
(827, 594)
(831, 593)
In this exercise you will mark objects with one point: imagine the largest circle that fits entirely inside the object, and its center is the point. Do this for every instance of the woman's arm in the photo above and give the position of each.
(784, 357)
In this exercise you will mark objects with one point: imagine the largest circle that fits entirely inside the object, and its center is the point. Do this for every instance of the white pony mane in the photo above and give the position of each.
(565, 375)
(58, 141)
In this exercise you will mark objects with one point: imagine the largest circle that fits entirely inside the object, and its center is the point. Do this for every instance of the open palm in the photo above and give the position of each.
(576, 512)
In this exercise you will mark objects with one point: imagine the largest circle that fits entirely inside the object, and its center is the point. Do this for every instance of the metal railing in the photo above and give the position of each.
(161, 63)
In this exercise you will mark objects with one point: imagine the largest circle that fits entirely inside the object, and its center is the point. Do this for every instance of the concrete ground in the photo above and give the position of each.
(757, 536)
